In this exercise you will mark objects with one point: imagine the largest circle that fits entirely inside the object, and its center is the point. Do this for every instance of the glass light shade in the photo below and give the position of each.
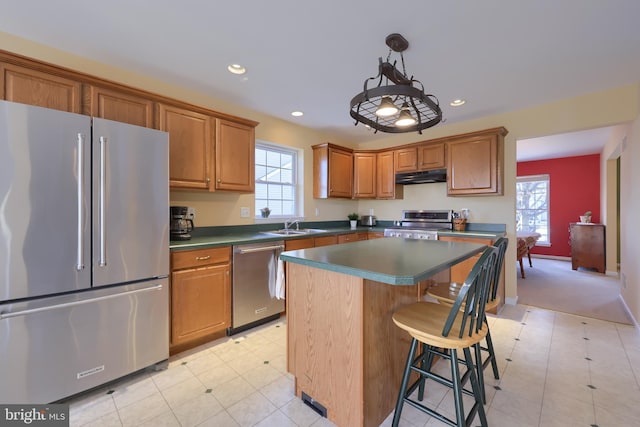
(405, 118)
(386, 108)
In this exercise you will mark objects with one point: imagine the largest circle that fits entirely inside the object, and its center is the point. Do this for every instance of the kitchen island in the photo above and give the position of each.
(342, 347)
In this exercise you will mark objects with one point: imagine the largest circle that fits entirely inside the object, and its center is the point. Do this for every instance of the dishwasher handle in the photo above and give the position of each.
(260, 249)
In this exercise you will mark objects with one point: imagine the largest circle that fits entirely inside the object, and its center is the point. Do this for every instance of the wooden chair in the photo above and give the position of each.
(443, 331)
(446, 294)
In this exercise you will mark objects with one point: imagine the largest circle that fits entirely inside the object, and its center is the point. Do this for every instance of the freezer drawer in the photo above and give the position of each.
(55, 347)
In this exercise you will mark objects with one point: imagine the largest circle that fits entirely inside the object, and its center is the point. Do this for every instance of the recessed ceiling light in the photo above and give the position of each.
(297, 113)
(457, 102)
(236, 69)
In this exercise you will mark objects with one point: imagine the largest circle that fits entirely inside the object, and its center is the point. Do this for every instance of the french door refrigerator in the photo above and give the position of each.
(84, 252)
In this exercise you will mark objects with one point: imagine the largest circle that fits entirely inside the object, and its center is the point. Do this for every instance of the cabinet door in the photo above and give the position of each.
(406, 159)
(118, 106)
(364, 169)
(27, 86)
(200, 302)
(190, 146)
(474, 166)
(375, 235)
(431, 156)
(340, 173)
(234, 154)
(386, 187)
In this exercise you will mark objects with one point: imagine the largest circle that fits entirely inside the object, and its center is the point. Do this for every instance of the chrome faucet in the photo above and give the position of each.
(289, 222)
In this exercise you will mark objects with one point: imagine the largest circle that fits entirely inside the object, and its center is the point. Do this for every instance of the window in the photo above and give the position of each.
(532, 206)
(276, 180)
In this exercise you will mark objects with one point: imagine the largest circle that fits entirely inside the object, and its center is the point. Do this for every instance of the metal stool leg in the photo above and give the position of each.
(492, 356)
(477, 391)
(404, 383)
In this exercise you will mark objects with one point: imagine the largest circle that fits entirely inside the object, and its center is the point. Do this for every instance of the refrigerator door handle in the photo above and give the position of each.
(26, 312)
(103, 145)
(80, 172)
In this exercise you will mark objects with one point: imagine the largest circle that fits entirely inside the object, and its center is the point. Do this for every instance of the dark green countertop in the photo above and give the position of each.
(394, 261)
(207, 237)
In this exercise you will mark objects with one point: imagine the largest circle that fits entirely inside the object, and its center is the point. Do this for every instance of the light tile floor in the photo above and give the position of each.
(556, 369)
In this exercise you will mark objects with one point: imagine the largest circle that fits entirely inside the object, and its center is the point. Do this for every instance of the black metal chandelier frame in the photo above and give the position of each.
(405, 93)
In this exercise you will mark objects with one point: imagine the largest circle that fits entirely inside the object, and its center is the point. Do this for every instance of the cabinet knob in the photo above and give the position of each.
(208, 180)
(219, 181)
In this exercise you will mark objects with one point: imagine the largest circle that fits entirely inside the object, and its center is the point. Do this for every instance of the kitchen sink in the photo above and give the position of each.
(292, 232)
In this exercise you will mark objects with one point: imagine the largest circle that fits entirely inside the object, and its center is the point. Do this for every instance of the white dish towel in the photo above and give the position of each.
(280, 285)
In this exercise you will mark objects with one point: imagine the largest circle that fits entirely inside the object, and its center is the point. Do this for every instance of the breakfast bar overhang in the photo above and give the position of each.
(342, 347)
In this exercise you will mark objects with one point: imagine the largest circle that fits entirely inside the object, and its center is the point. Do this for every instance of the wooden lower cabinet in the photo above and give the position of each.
(460, 271)
(375, 235)
(200, 296)
(587, 246)
(352, 237)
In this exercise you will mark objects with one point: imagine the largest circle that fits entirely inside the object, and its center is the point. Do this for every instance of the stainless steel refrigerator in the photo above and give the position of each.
(84, 252)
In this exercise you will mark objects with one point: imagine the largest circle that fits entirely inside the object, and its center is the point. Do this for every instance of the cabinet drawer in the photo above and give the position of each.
(325, 241)
(353, 237)
(200, 257)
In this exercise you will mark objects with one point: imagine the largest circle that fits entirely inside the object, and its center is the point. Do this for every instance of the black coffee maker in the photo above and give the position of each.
(180, 224)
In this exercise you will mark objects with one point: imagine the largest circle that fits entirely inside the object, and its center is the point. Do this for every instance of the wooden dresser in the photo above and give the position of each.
(587, 246)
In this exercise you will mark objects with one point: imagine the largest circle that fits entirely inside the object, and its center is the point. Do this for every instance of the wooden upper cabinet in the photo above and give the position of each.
(29, 86)
(475, 165)
(364, 170)
(332, 171)
(190, 146)
(386, 187)
(234, 154)
(406, 159)
(118, 106)
(431, 156)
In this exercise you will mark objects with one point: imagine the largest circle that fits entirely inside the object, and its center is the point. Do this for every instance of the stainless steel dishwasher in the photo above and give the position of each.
(254, 270)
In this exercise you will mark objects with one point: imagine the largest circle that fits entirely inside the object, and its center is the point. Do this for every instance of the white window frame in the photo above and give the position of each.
(545, 239)
(296, 182)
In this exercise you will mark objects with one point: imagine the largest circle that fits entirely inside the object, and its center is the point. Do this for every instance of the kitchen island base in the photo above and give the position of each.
(343, 348)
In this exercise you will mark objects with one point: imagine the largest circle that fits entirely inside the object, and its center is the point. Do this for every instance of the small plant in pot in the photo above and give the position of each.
(586, 217)
(353, 219)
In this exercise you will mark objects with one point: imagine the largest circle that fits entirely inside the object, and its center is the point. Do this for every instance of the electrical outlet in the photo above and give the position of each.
(371, 211)
(244, 212)
(191, 213)
(317, 211)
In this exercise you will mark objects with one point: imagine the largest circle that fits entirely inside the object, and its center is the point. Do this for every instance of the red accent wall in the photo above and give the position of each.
(574, 188)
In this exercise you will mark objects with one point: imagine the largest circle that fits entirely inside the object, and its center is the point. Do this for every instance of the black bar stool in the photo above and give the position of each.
(443, 331)
(446, 294)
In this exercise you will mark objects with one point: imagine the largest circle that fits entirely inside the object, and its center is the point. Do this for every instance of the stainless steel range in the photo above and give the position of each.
(421, 224)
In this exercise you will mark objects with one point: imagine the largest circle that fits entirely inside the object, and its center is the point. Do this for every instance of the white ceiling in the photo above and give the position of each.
(498, 55)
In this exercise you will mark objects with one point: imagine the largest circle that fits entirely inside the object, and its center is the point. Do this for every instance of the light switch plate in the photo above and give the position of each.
(244, 212)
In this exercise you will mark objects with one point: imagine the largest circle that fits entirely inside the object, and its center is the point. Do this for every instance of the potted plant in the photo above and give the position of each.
(265, 212)
(353, 219)
(586, 217)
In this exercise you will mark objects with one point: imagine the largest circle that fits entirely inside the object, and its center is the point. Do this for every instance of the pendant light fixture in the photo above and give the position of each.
(400, 104)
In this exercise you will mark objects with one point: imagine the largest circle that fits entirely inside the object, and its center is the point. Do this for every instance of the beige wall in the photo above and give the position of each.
(616, 106)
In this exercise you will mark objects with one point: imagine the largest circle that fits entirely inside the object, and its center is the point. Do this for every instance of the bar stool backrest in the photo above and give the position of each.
(473, 295)
(501, 244)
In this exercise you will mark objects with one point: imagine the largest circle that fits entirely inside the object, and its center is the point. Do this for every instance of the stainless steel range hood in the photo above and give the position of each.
(424, 177)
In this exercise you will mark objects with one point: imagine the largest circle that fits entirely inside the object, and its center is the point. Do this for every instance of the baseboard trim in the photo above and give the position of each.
(560, 258)
(511, 301)
(626, 307)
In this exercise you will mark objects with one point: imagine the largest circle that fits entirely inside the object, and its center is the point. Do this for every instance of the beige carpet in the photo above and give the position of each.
(554, 285)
